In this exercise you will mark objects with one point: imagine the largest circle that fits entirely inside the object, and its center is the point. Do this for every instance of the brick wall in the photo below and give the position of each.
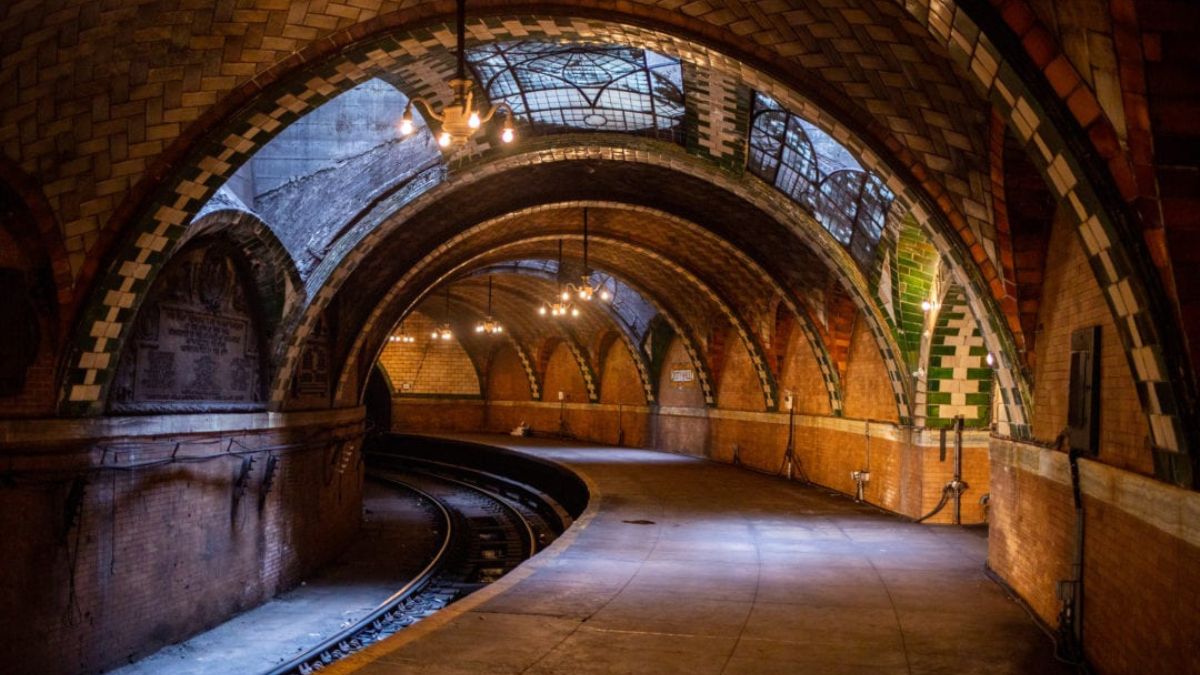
(428, 366)
(801, 375)
(866, 393)
(1071, 299)
(507, 380)
(162, 552)
(562, 375)
(1140, 550)
(907, 474)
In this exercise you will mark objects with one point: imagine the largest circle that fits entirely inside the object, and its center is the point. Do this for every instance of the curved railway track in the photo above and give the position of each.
(489, 525)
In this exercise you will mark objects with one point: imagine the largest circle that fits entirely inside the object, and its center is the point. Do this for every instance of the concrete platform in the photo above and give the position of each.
(681, 565)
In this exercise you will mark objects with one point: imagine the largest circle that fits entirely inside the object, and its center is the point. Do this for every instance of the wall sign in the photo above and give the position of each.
(195, 346)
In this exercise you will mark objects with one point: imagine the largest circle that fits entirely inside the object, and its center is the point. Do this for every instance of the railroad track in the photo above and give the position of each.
(489, 525)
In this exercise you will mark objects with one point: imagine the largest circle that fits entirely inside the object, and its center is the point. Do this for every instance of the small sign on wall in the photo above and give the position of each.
(681, 375)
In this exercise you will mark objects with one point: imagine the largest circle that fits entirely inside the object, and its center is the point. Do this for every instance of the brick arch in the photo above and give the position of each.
(275, 275)
(344, 69)
(363, 341)
(1134, 297)
(622, 332)
(784, 211)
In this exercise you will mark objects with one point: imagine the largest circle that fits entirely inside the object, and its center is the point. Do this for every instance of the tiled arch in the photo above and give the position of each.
(621, 331)
(362, 347)
(120, 293)
(1132, 296)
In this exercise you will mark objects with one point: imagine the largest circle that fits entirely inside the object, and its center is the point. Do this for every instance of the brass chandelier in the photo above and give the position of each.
(460, 120)
(562, 303)
(584, 290)
(489, 326)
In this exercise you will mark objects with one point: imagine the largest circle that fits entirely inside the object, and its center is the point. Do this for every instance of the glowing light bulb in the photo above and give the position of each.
(507, 135)
(926, 306)
(499, 329)
(605, 295)
(444, 139)
(566, 296)
(478, 328)
(991, 360)
(574, 311)
(406, 126)
(582, 294)
(542, 310)
(473, 120)
(434, 335)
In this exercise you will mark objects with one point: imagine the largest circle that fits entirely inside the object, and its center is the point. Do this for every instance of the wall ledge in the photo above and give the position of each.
(40, 432)
(1168, 508)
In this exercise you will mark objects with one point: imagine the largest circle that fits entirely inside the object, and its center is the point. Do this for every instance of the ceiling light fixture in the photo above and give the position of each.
(403, 337)
(562, 304)
(460, 120)
(444, 332)
(585, 290)
(489, 326)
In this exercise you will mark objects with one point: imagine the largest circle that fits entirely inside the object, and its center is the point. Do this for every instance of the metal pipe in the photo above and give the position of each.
(958, 484)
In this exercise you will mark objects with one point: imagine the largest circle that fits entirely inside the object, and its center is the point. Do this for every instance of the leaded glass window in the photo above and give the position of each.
(573, 86)
(814, 169)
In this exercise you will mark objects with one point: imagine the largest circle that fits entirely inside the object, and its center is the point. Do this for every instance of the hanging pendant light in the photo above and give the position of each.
(562, 303)
(444, 332)
(585, 290)
(460, 120)
(489, 326)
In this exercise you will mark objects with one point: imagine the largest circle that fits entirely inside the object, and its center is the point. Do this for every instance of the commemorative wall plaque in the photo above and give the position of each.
(196, 344)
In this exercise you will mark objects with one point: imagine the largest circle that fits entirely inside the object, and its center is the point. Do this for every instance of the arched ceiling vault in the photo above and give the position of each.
(514, 300)
(905, 78)
(770, 230)
(689, 314)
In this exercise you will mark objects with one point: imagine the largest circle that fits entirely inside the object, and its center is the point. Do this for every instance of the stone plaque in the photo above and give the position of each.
(196, 345)
(682, 375)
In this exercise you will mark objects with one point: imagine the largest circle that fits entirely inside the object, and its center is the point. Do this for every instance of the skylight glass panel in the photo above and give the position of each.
(812, 168)
(573, 86)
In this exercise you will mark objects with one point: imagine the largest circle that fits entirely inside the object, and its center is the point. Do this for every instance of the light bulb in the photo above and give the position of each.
(507, 135)
(434, 335)
(574, 311)
(444, 139)
(926, 306)
(478, 328)
(406, 126)
(542, 310)
(566, 296)
(473, 120)
(991, 360)
(605, 295)
(499, 329)
(582, 294)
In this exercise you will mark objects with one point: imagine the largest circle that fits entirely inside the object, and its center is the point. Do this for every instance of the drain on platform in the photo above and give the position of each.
(638, 522)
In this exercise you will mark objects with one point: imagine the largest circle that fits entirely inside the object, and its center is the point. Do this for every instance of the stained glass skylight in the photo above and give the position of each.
(592, 87)
(812, 168)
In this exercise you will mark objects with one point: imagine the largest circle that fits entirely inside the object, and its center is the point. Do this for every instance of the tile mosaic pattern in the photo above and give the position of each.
(957, 378)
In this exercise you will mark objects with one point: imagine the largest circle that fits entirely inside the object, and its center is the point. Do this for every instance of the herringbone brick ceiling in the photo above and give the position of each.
(104, 89)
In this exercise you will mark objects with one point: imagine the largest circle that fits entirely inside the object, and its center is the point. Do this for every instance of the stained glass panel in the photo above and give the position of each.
(570, 86)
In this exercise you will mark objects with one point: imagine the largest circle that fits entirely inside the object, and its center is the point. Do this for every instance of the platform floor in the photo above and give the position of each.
(681, 565)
